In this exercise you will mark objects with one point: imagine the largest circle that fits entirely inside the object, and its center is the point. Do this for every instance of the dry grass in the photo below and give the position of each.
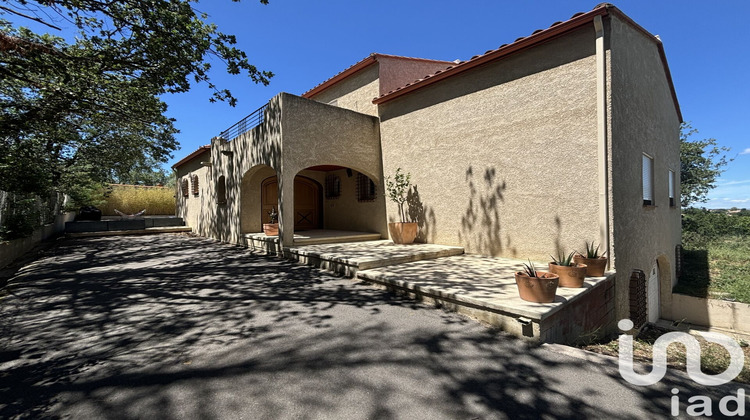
(132, 199)
(714, 357)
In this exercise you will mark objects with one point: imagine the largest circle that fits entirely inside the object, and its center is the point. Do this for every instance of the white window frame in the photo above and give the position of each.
(647, 179)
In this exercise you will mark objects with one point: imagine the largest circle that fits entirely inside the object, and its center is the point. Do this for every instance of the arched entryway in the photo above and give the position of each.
(308, 201)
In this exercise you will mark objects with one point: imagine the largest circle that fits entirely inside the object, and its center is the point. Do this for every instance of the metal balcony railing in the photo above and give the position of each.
(246, 124)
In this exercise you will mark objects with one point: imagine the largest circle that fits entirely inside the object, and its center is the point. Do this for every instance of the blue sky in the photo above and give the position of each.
(305, 42)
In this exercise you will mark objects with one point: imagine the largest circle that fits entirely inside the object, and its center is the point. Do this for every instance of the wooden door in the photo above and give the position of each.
(307, 203)
(269, 198)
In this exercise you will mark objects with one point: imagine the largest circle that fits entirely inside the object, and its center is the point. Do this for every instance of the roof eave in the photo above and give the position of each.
(370, 60)
(191, 156)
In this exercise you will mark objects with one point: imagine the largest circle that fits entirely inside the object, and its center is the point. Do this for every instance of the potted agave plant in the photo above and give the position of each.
(272, 228)
(536, 286)
(402, 232)
(571, 274)
(595, 263)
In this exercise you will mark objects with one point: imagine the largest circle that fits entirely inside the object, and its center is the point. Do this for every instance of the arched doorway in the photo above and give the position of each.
(308, 204)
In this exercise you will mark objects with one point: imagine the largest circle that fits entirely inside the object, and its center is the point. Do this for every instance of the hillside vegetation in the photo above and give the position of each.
(716, 255)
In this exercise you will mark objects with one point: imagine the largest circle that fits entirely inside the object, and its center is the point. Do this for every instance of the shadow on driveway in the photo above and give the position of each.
(172, 326)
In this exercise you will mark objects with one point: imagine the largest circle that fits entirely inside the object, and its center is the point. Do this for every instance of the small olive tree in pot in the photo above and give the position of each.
(403, 232)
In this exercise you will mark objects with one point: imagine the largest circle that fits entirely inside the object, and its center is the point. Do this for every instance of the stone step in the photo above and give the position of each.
(350, 257)
(147, 231)
(110, 224)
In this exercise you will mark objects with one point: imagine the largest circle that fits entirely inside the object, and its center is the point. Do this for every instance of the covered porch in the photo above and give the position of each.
(316, 166)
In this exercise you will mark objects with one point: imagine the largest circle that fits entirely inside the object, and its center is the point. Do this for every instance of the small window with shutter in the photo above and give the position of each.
(185, 188)
(365, 188)
(194, 180)
(221, 190)
(333, 186)
(648, 180)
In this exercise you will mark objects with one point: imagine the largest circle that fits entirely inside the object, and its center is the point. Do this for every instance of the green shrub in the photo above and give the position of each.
(702, 226)
(22, 218)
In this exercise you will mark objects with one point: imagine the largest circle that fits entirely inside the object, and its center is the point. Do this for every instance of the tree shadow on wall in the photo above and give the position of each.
(481, 224)
(423, 215)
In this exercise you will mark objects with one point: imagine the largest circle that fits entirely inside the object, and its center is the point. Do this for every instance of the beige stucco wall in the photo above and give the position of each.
(355, 92)
(296, 134)
(643, 120)
(396, 72)
(319, 134)
(346, 213)
(733, 316)
(193, 209)
(503, 157)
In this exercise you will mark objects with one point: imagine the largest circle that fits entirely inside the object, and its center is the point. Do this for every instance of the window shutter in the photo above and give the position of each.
(196, 191)
(648, 180)
(185, 188)
(671, 188)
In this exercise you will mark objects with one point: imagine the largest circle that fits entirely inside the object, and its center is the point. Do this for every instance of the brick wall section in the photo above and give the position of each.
(587, 318)
(638, 308)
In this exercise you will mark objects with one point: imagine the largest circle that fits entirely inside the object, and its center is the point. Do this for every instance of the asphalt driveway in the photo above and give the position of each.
(171, 326)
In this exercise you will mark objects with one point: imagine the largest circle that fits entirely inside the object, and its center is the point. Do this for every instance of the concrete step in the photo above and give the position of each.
(146, 231)
(120, 224)
(351, 257)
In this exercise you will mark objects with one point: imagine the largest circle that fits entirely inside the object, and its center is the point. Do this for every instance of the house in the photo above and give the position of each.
(568, 135)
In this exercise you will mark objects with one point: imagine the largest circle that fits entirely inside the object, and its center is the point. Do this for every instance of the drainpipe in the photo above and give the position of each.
(601, 134)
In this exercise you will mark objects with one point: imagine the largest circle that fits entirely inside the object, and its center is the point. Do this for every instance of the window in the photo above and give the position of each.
(221, 190)
(333, 186)
(672, 183)
(365, 188)
(194, 180)
(648, 180)
(185, 188)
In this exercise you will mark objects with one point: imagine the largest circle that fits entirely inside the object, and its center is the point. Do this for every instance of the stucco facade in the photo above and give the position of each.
(522, 152)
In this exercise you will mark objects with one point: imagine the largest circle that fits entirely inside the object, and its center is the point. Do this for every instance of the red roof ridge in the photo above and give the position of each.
(192, 156)
(539, 35)
(360, 65)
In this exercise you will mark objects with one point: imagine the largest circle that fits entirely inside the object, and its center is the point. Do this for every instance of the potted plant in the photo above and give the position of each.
(595, 263)
(402, 232)
(272, 228)
(571, 274)
(536, 286)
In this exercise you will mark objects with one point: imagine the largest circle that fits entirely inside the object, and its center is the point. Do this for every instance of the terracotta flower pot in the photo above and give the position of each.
(541, 289)
(271, 229)
(594, 266)
(570, 276)
(402, 232)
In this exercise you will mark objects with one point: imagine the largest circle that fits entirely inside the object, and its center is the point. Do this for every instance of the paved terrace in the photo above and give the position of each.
(481, 287)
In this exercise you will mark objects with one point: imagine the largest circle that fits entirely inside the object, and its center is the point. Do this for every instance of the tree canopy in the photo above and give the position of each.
(85, 111)
(701, 163)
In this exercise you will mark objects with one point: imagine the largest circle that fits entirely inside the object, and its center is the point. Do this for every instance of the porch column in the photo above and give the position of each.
(286, 208)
